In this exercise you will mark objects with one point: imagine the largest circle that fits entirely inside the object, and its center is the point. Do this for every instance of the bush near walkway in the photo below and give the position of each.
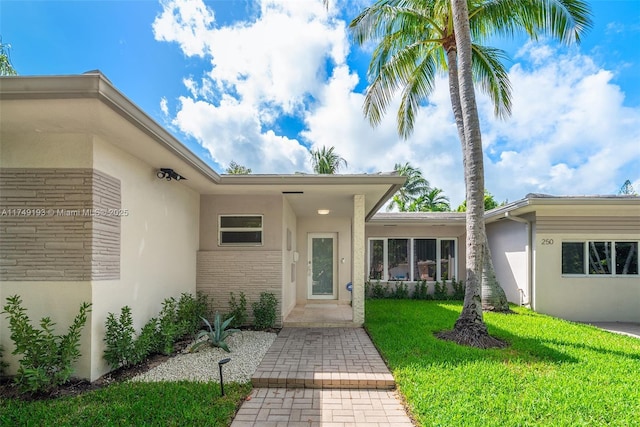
(554, 373)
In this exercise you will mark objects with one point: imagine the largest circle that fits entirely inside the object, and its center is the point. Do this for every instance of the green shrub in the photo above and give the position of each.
(190, 311)
(217, 335)
(120, 340)
(46, 357)
(238, 310)
(440, 291)
(148, 342)
(458, 290)
(177, 319)
(377, 290)
(401, 291)
(264, 311)
(421, 291)
(3, 364)
(168, 328)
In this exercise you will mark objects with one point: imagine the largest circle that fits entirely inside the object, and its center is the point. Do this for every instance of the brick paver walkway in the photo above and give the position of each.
(322, 407)
(322, 377)
(323, 358)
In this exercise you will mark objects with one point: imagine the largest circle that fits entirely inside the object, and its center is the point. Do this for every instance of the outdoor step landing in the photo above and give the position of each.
(338, 358)
(319, 324)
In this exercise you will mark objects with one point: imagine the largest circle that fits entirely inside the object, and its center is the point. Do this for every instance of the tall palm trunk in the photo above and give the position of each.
(492, 295)
(470, 329)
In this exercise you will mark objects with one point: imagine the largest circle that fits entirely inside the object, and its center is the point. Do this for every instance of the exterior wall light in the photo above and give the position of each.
(169, 174)
(323, 211)
(220, 363)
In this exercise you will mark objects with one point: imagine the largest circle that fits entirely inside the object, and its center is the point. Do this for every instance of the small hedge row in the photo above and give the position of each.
(451, 290)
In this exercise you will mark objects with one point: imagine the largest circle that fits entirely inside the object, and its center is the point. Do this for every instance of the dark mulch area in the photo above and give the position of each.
(75, 387)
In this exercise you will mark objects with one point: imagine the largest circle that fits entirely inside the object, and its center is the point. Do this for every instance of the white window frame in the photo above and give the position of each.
(240, 229)
(385, 272)
(585, 258)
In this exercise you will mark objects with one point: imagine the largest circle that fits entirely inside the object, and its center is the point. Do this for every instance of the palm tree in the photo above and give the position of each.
(489, 203)
(417, 41)
(6, 69)
(414, 186)
(432, 200)
(237, 169)
(326, 161)
(418, 38)
(470, 328)
(627, 189)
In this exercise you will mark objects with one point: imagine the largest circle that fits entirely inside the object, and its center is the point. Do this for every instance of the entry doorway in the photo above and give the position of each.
(322, 271)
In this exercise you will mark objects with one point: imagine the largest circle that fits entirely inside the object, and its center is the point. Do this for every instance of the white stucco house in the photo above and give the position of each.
(86, 214)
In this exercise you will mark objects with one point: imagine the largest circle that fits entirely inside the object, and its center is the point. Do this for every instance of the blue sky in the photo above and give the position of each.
(261, 82)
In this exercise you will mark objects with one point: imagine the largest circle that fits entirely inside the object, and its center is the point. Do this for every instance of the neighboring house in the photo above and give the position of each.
(84, 216)
(572, 257)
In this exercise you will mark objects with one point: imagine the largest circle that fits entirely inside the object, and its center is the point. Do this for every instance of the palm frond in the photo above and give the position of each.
(411, 35)
(489, 71)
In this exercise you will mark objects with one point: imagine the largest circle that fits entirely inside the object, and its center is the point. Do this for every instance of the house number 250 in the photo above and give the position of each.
(547, 241)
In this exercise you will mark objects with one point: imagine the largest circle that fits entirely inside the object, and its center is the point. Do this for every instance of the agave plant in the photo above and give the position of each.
(216, 335)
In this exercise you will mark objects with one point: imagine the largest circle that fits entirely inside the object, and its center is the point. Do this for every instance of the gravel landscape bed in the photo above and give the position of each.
(247, 350)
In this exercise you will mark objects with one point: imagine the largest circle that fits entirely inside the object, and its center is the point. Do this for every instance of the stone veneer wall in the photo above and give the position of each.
(59, 224)
(251, 272)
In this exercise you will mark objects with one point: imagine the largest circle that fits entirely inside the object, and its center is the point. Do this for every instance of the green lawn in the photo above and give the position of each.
(554, 372)
(132, 404)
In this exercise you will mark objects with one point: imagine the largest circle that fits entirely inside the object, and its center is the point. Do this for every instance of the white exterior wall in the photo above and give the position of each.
(592, 298)
(508, 242)
(58, 300)
(159, 243)
(289, 264)
(159, 240)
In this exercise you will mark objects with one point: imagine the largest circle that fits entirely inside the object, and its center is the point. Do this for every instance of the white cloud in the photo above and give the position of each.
(232, 131)
(259, 70)
(164, 106)
(184, 21)
(570, 132)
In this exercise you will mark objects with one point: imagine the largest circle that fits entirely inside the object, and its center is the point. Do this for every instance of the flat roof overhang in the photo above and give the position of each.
(419, 218)
(307, 193)
(605, 205)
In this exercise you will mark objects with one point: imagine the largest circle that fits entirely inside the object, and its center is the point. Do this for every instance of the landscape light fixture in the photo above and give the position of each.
(220, 363)
(169, 174)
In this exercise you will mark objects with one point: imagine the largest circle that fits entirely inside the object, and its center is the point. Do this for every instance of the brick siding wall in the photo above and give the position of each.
(59, 224)
(251, 272)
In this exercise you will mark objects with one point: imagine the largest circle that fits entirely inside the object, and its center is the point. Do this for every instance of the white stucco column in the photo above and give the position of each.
(358, 259)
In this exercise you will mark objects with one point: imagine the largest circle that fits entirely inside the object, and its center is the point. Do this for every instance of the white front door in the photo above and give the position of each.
(322, 271)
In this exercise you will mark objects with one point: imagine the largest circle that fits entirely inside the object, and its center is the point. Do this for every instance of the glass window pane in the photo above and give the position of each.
(398, 259)
(227, 237)
(376, 259)
(572, 258)
(599, 257)
(424, 258)
(322, 266)
(447, 259)
(626, 257)
(241, 221)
